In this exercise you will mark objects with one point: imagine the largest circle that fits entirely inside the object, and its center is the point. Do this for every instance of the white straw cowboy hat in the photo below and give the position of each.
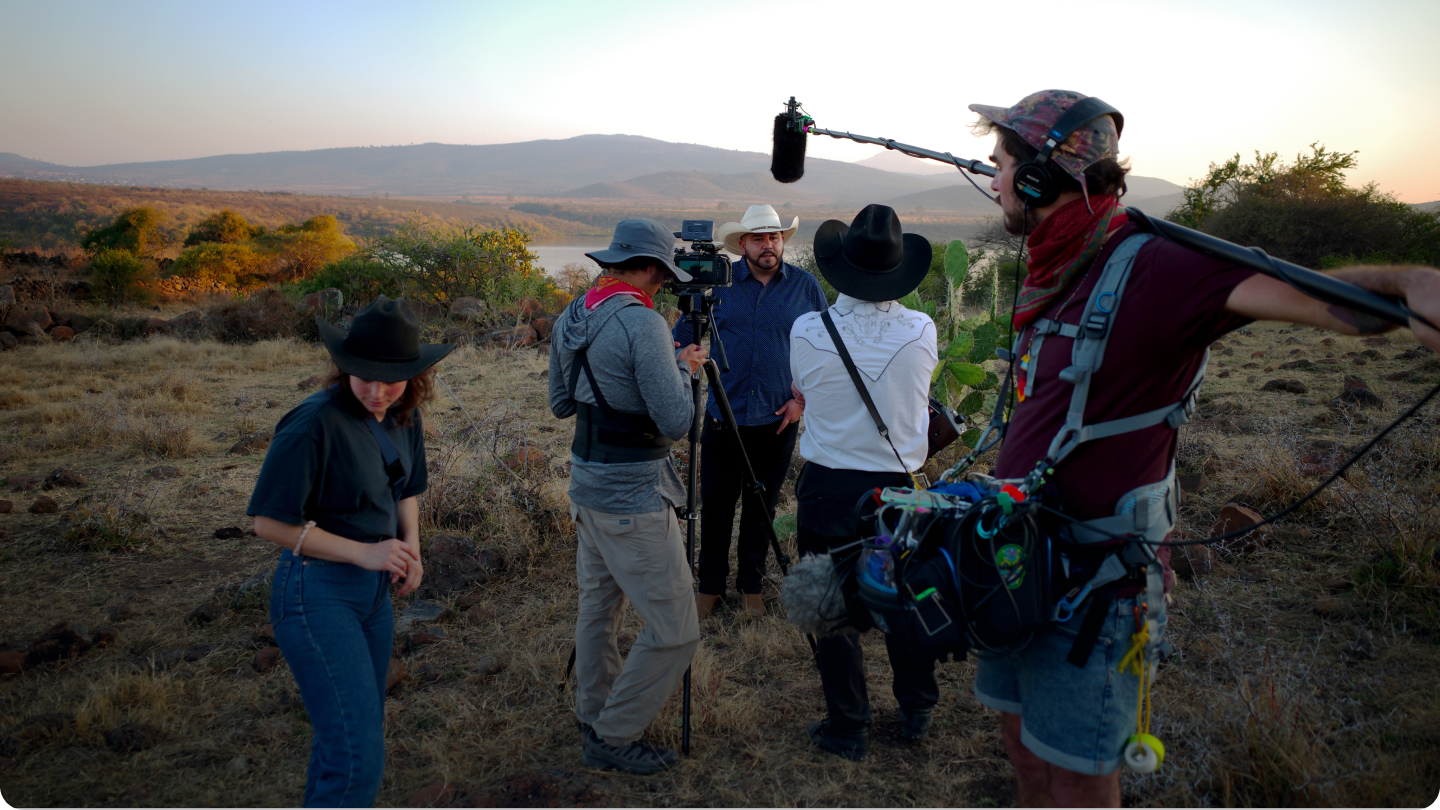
(758, 219)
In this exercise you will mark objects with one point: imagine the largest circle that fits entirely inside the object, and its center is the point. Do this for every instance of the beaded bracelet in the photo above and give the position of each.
(301, 541)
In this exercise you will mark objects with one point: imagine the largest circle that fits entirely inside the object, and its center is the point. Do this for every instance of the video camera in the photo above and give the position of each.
(707, 265)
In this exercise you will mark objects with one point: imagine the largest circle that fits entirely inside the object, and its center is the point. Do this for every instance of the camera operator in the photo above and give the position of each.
(612, 366)
(894, 350)
(1066, 711)
(753, 317)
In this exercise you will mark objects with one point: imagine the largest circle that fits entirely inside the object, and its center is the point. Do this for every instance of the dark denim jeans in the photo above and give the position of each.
(335, 625)
(722, 486)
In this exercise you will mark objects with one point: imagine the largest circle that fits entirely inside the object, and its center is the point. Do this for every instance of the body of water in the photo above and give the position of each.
(554, 257)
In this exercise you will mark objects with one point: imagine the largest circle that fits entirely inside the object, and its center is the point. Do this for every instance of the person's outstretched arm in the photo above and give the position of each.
(1269, 299)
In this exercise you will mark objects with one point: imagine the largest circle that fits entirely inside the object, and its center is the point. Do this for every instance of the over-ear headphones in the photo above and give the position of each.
(1035, 182)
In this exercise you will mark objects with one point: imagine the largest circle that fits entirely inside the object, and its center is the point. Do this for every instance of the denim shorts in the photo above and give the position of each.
(1078, 719)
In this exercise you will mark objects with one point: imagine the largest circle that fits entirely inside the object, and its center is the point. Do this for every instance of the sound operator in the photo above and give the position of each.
(1066, 709)
(612, 367)
(753, 318)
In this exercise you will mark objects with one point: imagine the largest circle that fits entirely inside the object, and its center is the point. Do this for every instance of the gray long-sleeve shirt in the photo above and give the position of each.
(633, 358)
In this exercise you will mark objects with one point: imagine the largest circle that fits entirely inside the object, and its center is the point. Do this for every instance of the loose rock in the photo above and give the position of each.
(1192, 561)
(308, 383)
(1232, 518)
(44, 505)
(1327, 607)
(63, 478)
(256, 442)
(121, 612)
(28, 319)
(488, 665)
(229, 533)
(6, 507)
(163, 472)
(479, 615)
(1338, 585)
(62, 334)
(395, 674)
(421, 612)
(467, 308)
(205, 613)
(266, 659)
(104, 637)
(11, 662)
(420, 638)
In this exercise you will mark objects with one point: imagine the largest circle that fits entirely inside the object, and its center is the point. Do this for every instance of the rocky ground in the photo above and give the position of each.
(138, 668)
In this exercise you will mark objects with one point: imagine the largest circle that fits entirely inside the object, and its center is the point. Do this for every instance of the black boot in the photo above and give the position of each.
(852, 745)
(916, 726)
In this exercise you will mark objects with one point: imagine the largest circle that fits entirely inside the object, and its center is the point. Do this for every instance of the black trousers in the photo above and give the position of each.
(827, 519)
(722, 484)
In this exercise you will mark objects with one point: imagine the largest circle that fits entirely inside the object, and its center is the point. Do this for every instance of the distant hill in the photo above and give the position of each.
(904, 164)
(1150, 194)
(50, 216)
(1433, 207)
(531, 168)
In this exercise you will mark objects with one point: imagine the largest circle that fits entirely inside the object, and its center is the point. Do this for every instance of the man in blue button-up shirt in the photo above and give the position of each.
(753, 318)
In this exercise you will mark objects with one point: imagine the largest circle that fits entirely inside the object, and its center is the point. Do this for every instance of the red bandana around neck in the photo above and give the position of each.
(608, 287)
(1060, 250)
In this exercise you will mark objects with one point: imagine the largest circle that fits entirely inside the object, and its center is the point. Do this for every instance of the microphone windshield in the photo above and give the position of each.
(787, 159)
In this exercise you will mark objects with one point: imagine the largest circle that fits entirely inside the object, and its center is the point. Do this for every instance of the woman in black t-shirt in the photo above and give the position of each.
(337, 492)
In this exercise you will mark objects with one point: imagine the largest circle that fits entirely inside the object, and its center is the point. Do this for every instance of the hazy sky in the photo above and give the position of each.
(85, 83)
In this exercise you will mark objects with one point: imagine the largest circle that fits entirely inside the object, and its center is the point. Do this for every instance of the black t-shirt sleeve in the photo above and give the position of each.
(287, 478)
(417, 478)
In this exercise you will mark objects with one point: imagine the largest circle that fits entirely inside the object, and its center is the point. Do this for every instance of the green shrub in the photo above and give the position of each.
(298, 251)
(115, 275)
(234, 265)
(359, 276)
(110, 526)
(226, 227)
(136, 231)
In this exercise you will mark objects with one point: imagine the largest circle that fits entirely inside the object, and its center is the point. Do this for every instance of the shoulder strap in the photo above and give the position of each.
(1094, 334)
(860, 384)
(394, 468)
(854, 374)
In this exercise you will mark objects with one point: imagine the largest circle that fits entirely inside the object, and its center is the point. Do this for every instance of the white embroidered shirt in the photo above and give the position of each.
(895, 350)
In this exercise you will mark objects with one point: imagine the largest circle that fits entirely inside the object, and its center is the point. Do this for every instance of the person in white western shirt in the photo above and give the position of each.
(872, 264)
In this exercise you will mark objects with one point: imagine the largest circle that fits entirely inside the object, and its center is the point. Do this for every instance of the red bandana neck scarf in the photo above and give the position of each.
(608, 287)
(1060, 250)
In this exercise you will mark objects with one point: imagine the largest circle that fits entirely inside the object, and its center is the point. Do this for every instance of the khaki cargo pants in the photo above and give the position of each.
(638, 557)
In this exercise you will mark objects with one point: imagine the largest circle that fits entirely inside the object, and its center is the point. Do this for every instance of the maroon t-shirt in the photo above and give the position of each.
(1173, 306)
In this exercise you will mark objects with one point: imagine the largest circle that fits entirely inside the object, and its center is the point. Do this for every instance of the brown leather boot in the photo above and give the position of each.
(754, 604)
(704, 603)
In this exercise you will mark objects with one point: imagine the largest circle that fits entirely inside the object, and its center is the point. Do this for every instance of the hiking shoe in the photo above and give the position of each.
(638, 757)
(754, 604)
(852, 745)
(916, 727)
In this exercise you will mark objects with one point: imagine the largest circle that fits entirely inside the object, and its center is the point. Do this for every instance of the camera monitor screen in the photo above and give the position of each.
(697, 230)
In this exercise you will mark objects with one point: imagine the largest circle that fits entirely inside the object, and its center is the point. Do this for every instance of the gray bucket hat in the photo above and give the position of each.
(641, 237)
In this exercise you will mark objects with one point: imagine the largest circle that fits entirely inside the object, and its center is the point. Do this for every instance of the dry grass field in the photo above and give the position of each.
(1307, 675)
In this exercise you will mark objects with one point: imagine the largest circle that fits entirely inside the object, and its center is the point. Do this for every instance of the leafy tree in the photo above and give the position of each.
(445, 264)
(1304, 212)
(300, 250)
(115, 275)
(230, 264)
(136, 231)
(226, 227)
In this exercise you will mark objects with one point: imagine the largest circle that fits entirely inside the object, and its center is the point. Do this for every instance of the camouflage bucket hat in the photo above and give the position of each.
(1033, 116)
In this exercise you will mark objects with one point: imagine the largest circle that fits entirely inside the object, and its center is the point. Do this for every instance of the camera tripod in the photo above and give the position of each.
(700, 317)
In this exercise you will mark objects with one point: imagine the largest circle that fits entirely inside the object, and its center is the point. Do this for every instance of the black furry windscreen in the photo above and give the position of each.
(787, 159)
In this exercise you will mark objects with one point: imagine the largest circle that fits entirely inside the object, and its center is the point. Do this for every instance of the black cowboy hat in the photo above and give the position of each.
(870, 259)
(382, 344)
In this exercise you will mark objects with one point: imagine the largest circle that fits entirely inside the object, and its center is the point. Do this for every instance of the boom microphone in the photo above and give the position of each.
(787, 159)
